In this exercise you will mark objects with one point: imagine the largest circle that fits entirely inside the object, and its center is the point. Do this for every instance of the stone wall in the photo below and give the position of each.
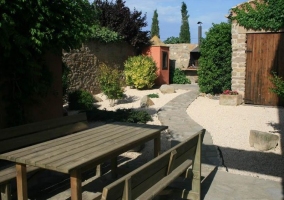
(84, 62)
(180, 54)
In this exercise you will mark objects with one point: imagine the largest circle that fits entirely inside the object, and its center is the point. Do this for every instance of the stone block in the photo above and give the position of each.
(263, 141)
(146, 102)
(97, 99)
(230, 100)
(167, 89)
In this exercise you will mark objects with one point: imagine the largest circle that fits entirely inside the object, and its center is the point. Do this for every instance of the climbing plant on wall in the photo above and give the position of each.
(260, 15)
(27, 30)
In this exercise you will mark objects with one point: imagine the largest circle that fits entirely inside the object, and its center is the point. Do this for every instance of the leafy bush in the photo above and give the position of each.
(111, 82)
(123, 115)
(279, 85)
(80, 100)
(172, 40)
(177, 76)
(104, 34)
(140, 71)
(153, 95)
(214, 73)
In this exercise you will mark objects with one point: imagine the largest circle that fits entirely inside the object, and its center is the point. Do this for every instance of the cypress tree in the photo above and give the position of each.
(155, 30)
(184, 34)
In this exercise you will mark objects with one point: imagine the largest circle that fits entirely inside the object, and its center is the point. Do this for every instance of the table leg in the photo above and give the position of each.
(76, 185)
(22, 190)
(114, 167)
(157, 145)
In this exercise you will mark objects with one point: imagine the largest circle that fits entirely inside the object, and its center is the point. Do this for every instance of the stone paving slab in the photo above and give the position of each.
(224, 185)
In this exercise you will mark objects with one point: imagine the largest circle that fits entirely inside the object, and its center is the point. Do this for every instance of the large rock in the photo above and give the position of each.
(167, 89)
(263, 141)
(146, 102)
(97, 99)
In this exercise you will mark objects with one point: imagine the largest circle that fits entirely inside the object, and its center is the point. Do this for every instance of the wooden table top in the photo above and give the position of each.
(91, 146)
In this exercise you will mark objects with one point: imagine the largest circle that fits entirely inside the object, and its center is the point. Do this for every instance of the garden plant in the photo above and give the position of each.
(140, 72)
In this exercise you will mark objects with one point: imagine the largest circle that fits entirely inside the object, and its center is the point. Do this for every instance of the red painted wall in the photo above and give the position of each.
(156, 52)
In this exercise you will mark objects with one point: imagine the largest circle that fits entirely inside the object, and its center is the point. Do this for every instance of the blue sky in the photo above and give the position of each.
(169, 14)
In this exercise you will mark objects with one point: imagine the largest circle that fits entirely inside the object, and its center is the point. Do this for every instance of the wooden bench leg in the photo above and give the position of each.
(114, 167)
(76, 185)
(5, 190)
(21, 170)
(157, 146)
(98, 171)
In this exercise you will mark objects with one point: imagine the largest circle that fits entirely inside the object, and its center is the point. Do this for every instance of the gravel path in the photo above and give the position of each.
(230, 126)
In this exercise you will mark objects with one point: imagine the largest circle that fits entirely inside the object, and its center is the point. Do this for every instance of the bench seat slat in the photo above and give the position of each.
(40, 126)
(164, 182)
(10, 173)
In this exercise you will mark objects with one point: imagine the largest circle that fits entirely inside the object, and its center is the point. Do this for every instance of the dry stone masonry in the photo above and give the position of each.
(238, 58)
(84, 63)
(180, 54)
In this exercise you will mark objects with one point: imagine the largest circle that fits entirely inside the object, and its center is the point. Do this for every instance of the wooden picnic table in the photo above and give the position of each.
(74, 154)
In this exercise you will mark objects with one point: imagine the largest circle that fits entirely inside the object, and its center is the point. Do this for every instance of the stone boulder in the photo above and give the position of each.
(263, 141)
(97, 99)
(167, 89)
(146, 102)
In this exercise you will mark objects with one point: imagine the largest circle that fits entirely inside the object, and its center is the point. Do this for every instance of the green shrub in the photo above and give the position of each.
(177, 76)
(80, 100)
(111, 82)
(140, 72)
(153, 95)
(122, 115)
(278, 85)
(214, 73)
(172, 40)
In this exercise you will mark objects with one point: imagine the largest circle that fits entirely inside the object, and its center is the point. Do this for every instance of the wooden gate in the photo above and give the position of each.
(265, 54)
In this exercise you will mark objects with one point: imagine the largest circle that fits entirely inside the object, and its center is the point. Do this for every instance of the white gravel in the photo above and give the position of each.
(230, 126)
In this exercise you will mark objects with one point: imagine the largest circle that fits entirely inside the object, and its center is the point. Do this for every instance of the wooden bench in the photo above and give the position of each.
(25, 135)
(150, 179)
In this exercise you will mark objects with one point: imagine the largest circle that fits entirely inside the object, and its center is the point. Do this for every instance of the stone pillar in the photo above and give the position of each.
(238, 58)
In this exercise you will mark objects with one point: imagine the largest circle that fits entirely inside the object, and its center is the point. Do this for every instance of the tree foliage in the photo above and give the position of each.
(118, 17)
(27, 30)
(260, 15)
(155, 30)
(172, 40)
(184, 35)
(214, 73)
(104, 34)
